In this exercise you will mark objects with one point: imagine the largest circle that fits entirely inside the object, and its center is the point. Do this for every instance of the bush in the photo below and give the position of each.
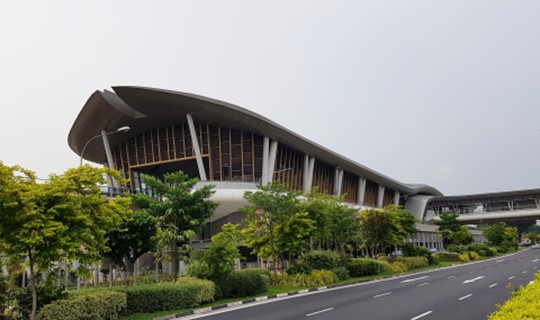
(3, 292)
(447, 256)
(474, 256)
(104, 305)
(413, 262)
(342, 273)
(361, 267)
(206, 288)
(483, 249)
(198, 269)
(300, 268)
(47, 294)
(161, 297)
(524, 303)
(464, 257)
(457, 248)
(323, 260)
(397, 267)
(317, 278)
(412, 250)
(242, 283)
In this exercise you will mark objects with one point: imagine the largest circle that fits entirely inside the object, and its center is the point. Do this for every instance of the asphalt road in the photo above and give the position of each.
(463, 292)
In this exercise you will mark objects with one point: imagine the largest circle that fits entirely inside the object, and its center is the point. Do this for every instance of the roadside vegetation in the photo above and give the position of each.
(301, 240)
(524, 303)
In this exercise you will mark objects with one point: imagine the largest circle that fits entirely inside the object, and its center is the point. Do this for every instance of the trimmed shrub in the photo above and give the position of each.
(322, 260)
(483, 249)
(447, 256)
(361, 267)
(464, 257)
(457, 248)
(524, 303)
(198, 269)
(106, 305)
(342, 273)
(242, 283)
(412, 250)
(206, 288)
(474, 256)
(397, 267)
(161, 297)
(316, 279)
(300, 268)
(47, 294)
(413, 262)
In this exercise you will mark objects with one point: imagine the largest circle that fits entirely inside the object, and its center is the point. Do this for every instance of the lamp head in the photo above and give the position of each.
(123, 129)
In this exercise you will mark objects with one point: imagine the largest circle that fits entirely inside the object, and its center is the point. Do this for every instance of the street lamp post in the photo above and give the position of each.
(102, 134)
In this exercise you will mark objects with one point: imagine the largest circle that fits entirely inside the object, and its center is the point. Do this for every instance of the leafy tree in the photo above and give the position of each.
(276, 224)
(448, 224)
(134, 238)
(389, 226)
(180, 210)
(462, 236)
(220, 256)
(501, 234)
(334, 222)
(378, 229)
(65, 218)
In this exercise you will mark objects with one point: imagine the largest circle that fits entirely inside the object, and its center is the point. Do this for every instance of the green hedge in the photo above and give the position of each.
(524, 304)
(317, 278)
(161, 297)
(414, 262)
(323, 260)
(206, 288)
(95, 306)
(361, 267)
(242, 283)
(447, 256)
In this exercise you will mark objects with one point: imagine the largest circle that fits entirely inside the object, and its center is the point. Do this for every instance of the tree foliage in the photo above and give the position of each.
(447, 224)
(501, 234)
(276, 223)
(386, 227)
(65, 218)
(180, 209)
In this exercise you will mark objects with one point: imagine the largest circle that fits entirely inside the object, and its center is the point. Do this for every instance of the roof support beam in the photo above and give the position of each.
(361, 191)
(338, 181)
(196, 148)
(269, 160)
(272, 160)
(396, 198)
(309, 165)
(110, 161)
(380, 196)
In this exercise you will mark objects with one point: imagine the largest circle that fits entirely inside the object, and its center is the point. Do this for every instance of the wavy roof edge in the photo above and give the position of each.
(143, 108)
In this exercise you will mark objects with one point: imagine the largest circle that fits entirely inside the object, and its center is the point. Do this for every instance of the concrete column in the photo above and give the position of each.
(396, 198)
(108, 153)
(196, 148)
(380, 196)
(338, 181)
(361, 191)
(266, 151)
(309, 165)
(272, 160)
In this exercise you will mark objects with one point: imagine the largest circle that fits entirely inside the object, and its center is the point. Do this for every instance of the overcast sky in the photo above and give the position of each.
(445, 93)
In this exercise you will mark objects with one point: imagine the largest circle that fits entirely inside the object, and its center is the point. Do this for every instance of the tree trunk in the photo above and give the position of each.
(174, 262)
(33, 285)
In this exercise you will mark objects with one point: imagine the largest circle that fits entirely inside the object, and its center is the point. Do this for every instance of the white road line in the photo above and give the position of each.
(320, 311)
(450, 277)
(423, 284)
(512, 277)
(415, 279)
(493, 285)
(500, 260)
(535, 260)
(382, 295)
(525, 271)
(473, 280)
(465, 297)
(422, 315)
(534, 268)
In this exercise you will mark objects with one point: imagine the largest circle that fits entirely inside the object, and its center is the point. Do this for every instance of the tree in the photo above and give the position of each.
(448, 224)
(134, 238)
(377, 228)
(65, 218)
(223, 251)
(334, 222)
(386, 227)
(272, 215)
(501, 234)
(462, 236)
(180, 210)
